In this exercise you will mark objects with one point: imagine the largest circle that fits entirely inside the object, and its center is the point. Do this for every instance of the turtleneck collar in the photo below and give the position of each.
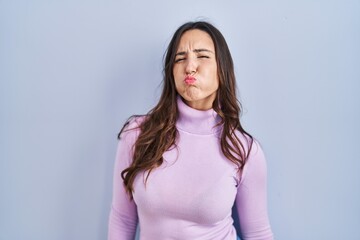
(196, 121)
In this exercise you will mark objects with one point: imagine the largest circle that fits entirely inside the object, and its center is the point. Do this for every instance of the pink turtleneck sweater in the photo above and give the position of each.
(191, 195)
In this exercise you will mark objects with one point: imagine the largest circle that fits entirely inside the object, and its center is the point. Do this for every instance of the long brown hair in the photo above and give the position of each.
(158, 132)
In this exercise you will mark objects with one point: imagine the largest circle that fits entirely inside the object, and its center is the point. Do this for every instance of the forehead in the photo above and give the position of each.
(194, 39)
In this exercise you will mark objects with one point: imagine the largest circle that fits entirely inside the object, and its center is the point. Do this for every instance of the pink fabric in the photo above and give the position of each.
(190, 196)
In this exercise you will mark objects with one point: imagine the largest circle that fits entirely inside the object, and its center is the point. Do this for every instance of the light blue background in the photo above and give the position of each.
(72, 71)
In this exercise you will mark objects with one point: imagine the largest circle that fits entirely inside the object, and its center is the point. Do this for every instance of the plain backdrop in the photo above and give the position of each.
(71, 73)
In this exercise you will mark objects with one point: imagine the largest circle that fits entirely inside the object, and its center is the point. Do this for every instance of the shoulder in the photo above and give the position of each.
(131, 129)
(134, 122)
(250, 144)
(256, 152)
(246, 140)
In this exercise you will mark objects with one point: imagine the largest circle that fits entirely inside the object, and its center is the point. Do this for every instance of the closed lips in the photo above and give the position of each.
(189, 80)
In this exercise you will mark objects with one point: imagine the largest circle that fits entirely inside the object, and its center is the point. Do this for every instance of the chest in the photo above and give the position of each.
(195, 183)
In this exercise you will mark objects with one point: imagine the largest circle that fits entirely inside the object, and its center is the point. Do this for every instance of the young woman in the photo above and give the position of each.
(181, 168)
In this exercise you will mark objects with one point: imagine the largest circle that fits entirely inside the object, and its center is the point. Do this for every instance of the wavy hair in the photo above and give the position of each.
(158, 132)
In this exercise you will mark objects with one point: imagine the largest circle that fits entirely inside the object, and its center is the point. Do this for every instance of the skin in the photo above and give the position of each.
(196, 57)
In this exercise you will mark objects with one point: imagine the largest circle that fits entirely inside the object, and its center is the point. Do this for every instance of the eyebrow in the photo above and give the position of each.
(195, 51)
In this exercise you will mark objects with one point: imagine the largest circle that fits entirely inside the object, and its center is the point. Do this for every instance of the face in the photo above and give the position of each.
(195, 69)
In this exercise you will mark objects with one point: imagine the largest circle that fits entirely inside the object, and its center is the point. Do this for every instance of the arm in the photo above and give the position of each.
(123, 215)
(251, 198)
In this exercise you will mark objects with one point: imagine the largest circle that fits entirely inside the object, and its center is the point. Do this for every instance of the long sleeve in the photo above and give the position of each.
(251, 198)
(123, 217)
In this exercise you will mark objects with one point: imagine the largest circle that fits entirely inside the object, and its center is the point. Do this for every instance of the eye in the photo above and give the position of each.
(179, 60)
(203, 56)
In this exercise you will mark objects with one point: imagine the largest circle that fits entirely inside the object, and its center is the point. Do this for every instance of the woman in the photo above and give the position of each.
(181, 168)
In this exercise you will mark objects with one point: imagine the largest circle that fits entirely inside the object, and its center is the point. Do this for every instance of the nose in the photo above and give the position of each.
(191, 66)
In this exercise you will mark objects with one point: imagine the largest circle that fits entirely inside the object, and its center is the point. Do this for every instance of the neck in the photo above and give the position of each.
(196, 121)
